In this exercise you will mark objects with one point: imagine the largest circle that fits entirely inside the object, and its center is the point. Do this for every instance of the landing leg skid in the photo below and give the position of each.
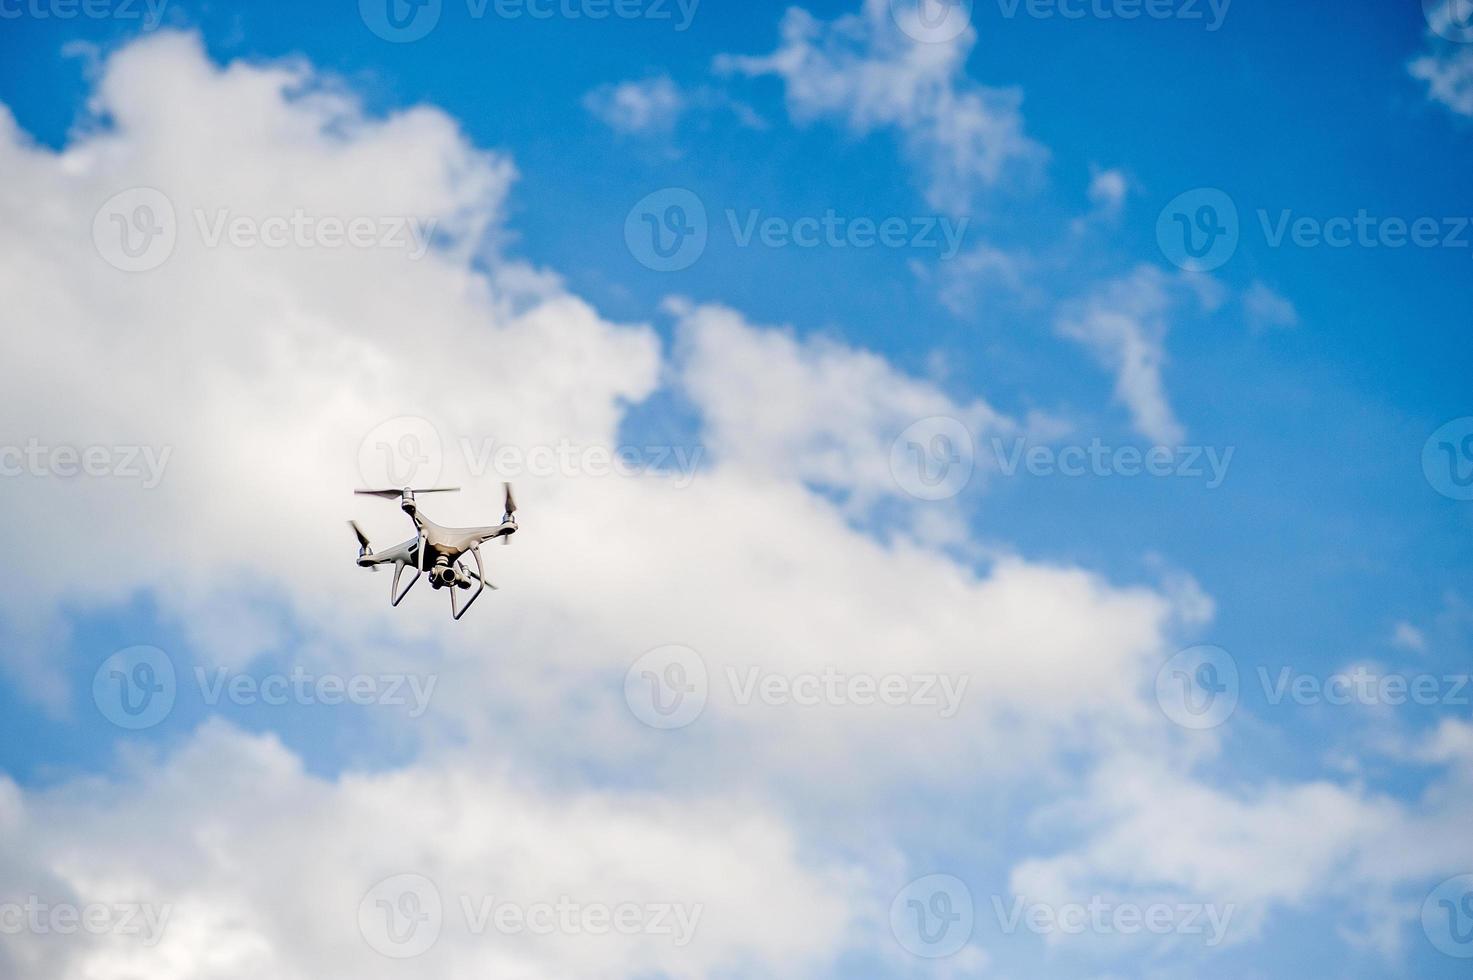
(457, 610)
(395, 596)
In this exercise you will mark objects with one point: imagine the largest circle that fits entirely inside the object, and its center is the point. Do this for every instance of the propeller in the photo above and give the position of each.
(391, 494)
(363, 546)
(511, 509)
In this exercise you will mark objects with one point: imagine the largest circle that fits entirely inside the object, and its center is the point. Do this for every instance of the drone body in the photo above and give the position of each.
(435, 549)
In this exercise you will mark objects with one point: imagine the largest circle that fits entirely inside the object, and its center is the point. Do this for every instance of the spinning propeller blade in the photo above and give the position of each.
(391, 494)
(362, 538)
(511, 509)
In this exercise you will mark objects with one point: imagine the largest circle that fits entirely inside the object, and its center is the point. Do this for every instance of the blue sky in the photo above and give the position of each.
(1060, 320)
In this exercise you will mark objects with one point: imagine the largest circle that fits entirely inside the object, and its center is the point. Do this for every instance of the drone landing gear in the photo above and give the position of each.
(457, 610)
(395, 596)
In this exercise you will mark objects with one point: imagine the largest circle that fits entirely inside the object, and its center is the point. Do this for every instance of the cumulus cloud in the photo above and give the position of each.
(1162, 835)
(252, 867)
(265, 366)
(863, 70)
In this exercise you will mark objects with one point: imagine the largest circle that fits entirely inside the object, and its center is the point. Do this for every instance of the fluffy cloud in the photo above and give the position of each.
(265, 368)
(1160, 835)
(251, 867)
(865, 70)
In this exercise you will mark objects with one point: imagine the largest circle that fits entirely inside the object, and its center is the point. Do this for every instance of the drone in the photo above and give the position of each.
(440, 551)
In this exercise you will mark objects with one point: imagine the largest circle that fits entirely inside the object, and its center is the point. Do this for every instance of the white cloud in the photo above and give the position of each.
(1449, 77)
(263, 869)
(1159, 834)
(1107, 190)
(646, 105)
(262, 369)
(1124, 324)
(981, 271)
(1408, 637)
(820, 411)
(1267, 310)
(962, 137)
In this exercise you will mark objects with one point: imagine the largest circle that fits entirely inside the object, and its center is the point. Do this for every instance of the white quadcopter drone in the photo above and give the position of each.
(435, 549)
